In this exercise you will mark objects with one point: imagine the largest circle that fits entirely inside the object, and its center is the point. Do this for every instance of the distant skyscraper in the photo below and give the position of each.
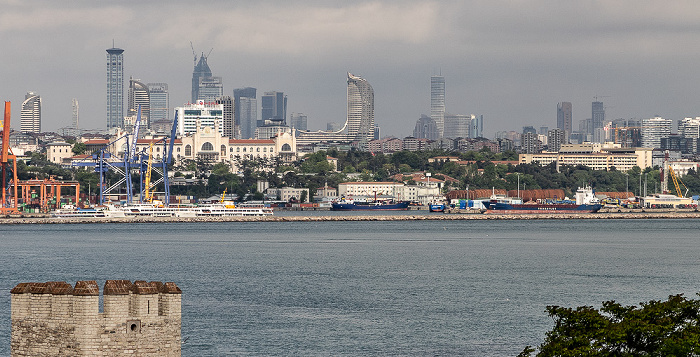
(30, 116)
(274, 106)
(139, 96)
(76, 114)
(115, 87)
(230, 129)
(210, 88)
(437, 102)
(201, 69)
(653, 130)
(597, 120)
(529, 129)
(360, 119)
(477, 127)
(245, 111)
(160, 101)
(299, 121)
(555, 138)
(456, 125)
(425, 128)
(564, 121)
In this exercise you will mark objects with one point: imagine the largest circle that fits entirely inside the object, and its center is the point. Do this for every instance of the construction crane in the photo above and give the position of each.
(9, 183)
(676, 180)
(148, 195)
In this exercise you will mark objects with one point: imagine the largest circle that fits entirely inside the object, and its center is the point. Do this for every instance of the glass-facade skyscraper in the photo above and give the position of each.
(115, 88)
(245, 111)
(360, 119)
(160, 101)
(437, 103)
(139, 95)
(201, 70)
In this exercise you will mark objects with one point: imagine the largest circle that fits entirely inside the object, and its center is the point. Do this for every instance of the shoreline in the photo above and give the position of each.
(429, 217)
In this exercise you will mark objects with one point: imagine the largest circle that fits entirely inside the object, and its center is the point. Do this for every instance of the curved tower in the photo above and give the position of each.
(30, 116)
(139, 94)
(360, 121)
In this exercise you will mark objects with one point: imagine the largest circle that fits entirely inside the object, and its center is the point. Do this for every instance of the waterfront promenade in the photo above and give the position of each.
(686, 214)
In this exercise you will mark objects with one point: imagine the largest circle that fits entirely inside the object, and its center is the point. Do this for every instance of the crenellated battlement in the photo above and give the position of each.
(57, 319)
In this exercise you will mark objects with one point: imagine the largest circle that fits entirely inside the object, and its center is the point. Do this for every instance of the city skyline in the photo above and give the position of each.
(510, 64)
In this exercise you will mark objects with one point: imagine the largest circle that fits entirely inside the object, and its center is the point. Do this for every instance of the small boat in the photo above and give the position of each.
(369, 206)
(436, 207)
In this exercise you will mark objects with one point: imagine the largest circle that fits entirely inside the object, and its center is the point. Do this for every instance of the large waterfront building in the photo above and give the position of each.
(115, 88)
(160, 101)
(207, 114)
(564, 120)
(597, 120)
(139, 96)
(653, 129)
(593, 155)
(437, 103)
(30, 116)
(245, 111)
(426, 128)
(201, 70)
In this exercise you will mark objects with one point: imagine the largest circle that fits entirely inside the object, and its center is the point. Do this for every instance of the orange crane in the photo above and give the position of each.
(8, 204)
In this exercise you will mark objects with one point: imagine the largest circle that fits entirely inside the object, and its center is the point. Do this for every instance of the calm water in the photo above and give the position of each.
(366, 288)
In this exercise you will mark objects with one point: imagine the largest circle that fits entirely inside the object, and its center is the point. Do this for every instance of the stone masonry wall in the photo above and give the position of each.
(57, 319)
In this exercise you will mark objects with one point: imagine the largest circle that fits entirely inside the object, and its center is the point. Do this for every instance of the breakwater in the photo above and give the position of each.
(374, 217)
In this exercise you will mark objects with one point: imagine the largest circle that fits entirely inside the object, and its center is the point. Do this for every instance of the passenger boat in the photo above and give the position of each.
(224, 209)
(370, 206)
(104, 211)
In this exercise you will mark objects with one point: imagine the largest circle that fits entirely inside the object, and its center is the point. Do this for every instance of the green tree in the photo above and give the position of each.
(79, 148)
(655, 328)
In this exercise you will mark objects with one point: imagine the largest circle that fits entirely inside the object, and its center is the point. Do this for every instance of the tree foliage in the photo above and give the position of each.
(654, 328)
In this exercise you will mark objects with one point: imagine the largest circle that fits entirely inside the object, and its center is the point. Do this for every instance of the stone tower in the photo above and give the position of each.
(57, 319)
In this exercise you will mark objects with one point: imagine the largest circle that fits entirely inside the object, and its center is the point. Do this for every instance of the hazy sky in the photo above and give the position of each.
(511, 61)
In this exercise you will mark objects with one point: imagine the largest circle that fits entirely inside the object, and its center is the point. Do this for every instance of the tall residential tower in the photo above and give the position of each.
(437, 103)
(360, 119)
(30, 116)
(564, 119)
(115, 87)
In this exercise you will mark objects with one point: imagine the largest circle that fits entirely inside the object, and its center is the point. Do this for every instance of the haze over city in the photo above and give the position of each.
(510, 62)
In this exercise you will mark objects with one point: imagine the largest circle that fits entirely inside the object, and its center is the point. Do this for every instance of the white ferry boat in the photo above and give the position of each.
(104, 211)
(225, 209)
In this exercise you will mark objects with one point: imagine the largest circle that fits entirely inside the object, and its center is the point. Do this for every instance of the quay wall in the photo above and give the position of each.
(466, 215)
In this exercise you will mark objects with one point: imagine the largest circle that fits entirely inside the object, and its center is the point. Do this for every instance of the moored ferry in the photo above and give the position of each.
(104, 211)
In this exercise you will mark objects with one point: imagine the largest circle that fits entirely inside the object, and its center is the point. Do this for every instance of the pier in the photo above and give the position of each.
(636, 214)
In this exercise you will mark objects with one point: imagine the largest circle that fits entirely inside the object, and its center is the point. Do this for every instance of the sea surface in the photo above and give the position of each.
(408, 288)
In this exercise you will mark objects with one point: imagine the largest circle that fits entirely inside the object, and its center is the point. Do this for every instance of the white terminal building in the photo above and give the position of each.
(208, 114)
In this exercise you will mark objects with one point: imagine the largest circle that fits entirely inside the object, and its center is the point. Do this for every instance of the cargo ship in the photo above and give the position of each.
(586, 202)
(370, 206)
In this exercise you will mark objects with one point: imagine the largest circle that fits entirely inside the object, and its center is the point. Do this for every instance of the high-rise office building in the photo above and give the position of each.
(477, 127)
(597, 120)
(564, 120)
(555, 138)
(425, 128)
(299, 121)
(160, 101)
(139, 96)
(201, 69)
(115, 88)
(210, 88)
(203, 113)
(76, 114)
(245, 111)
(30, 116)
(456, 126)
(437, 102)
(360, 119)
(230, 129)
(273, 106)
(653, 129)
